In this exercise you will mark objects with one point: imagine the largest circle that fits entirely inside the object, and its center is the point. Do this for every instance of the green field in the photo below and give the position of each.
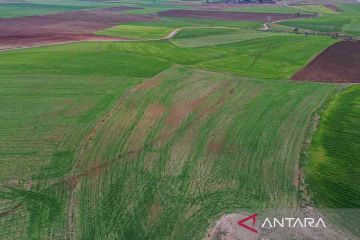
(309, 8)
(334, 165)
(8, 10)
(193, 32)
(216, 39)
(346, 21)
(315, 8)
(266, 9)
(164, 147)
(65, 105)
(158, 138)
(277, 57)
(172, 22)
(136, 32)
(31, 8)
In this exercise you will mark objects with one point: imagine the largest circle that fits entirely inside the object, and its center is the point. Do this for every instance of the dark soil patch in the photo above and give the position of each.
(245, 16)
(62, 27)
(339, 63)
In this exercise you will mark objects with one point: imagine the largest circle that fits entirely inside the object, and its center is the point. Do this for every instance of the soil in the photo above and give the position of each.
(340, 63)
(62, 27)
(246, 16)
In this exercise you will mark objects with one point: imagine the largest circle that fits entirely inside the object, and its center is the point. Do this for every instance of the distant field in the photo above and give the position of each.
(314, 8)
(266, 9)
(205, 31)
(31, 8)
(346, 21)
(308, 8)
(334, 165)
(8, 10)
(193, 22)
(223, 38)
(232, 16)
(136, 32)
(329, 23)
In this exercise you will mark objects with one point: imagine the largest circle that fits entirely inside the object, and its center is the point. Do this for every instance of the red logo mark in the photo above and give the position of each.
(253, 217)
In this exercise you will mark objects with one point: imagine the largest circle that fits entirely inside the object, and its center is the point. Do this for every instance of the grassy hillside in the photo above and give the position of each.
(139, 140)
(333, 170)
(44, 119)
(188, 146)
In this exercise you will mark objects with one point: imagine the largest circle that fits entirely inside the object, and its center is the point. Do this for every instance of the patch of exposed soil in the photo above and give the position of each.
(138, 136)
(62, 27)
(154, 112)
(246, 16)
(149, 84)
(340, 63)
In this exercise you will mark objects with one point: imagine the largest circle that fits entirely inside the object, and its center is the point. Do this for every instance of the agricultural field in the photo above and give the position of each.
(328, 66)
(334, 158)
(345, 21)
(267, 9)
(136, 32)
(218, 39)
(9, 9)
(176, 119)
(315, 8)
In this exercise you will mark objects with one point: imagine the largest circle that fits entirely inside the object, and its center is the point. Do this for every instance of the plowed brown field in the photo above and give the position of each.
(61, 27)
(339, 63)
(245, 16)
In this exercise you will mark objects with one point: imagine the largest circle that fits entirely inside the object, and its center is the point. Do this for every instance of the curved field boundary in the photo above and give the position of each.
(340, 63)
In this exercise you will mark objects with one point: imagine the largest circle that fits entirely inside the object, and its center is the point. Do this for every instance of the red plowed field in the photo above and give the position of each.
(245, 16)
(61, 27)
(339, 63)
